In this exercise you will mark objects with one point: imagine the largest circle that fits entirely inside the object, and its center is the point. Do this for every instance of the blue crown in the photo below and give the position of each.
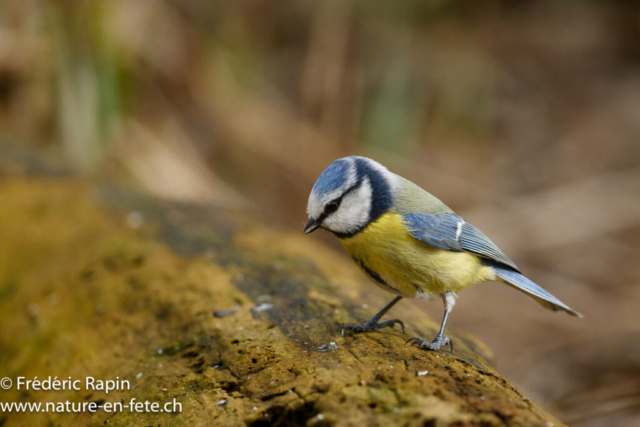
(333, 177)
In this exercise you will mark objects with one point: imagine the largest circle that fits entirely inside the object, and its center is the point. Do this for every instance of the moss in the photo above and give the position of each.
(82, 294)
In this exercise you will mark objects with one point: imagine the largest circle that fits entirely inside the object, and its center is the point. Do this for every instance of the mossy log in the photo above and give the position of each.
(100, 284)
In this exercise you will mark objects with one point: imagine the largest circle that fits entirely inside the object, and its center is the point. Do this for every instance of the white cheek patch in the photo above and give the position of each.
(353, 212)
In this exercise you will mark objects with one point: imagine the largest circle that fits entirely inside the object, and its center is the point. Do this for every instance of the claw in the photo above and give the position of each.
(393, 323)
(414, 340)
(352, 328)
(434, 345)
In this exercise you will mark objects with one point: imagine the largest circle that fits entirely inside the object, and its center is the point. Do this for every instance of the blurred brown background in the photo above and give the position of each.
(523, 116)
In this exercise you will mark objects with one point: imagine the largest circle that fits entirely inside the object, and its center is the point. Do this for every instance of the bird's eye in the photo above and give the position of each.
(331, 208)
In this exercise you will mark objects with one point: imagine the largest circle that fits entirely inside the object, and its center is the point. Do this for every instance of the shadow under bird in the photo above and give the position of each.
(408, 242)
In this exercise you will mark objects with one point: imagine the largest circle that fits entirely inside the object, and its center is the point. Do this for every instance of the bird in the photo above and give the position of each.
(408, 242)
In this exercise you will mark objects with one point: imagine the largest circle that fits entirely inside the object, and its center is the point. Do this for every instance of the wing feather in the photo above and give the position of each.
(450, 232)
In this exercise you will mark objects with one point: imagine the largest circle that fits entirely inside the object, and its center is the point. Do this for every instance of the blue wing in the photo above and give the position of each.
(450, 232)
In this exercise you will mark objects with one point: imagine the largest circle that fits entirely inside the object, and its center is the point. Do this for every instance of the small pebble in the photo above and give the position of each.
(331, 346)
(224, 313)
(139, 375)
(262, 307)
(422, 373)
(222, 402)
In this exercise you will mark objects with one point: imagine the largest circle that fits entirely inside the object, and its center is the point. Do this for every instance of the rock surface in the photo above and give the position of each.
(106, 285)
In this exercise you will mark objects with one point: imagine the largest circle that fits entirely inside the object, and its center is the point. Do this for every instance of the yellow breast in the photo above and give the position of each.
(397, 262)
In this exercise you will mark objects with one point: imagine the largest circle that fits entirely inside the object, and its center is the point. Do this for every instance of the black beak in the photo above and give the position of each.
(311, 225)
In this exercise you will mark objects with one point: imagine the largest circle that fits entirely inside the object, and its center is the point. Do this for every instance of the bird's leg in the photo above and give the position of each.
(372, 324)
(449, 299)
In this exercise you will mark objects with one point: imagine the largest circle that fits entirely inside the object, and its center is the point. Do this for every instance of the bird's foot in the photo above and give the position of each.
(369, 326)
(438, 342)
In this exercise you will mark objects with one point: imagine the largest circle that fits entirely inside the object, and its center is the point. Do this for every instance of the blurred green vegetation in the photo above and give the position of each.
(361, 73)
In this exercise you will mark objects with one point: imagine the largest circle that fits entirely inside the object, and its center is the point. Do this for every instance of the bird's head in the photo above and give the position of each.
(348, 195)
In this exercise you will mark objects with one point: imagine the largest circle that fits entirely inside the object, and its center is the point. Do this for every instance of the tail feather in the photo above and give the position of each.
(526, 286)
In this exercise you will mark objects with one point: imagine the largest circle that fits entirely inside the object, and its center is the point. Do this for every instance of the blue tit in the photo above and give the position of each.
(408, 242)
